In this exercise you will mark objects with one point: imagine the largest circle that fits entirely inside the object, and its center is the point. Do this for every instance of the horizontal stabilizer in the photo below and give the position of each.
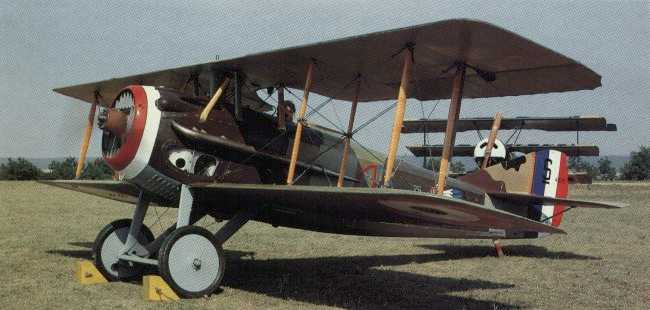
(529, 199)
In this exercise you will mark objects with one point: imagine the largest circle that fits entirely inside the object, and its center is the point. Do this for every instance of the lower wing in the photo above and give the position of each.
(348, 206)
(368, 205)
(114, 190)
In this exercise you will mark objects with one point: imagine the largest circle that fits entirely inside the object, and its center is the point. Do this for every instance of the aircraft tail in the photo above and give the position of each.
(550, 179)
(540, 174)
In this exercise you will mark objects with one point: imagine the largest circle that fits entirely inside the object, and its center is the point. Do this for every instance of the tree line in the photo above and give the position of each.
(637, 168)
(22, 169)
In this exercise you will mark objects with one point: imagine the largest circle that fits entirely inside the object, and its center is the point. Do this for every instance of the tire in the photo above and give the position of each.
(191, 262)
(107, 248)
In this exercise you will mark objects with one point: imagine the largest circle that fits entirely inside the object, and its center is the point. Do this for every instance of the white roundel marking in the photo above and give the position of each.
(143, 154)
(424, 210)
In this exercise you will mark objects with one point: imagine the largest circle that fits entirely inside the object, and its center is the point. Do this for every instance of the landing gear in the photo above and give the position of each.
(191, 262)
(109, 245)
(189, 258)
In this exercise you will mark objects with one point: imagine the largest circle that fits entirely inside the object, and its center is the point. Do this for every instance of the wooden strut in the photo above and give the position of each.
(85, 143)
(214, 99)
(486, 158)
(399, 116)
(450, 131)
(497, 247)
(298, 135)
(281, 109)
(493, 136)
(348, 137)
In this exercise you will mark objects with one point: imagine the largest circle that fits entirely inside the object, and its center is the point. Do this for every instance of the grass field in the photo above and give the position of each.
(603, 262)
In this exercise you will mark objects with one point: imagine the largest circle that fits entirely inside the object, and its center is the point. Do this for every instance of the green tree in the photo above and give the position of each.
(578, 165)
(638, 167)
(63, 170)
(432, 163)
(457, 167)
(97, 170)
(19, 169)
(607, 172)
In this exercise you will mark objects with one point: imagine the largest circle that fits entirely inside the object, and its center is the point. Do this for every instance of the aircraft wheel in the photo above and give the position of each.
(191, 262)
(108, 246)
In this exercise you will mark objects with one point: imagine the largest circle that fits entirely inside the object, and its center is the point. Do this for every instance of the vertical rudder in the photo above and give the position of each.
(550, 179)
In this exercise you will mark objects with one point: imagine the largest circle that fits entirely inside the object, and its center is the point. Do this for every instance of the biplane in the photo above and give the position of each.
(201, 140)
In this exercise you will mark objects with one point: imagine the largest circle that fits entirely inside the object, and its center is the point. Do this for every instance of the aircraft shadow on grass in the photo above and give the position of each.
(349, 282)
(474, 251)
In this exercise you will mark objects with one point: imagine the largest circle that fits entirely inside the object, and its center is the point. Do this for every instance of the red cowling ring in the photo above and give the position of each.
(126, 153)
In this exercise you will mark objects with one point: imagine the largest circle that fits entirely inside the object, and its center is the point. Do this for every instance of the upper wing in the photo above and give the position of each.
(521, 66)
(530, 199)
(369, 205)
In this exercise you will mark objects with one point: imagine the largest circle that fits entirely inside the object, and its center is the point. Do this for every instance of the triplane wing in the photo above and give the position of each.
(574, 123)
(467, 150)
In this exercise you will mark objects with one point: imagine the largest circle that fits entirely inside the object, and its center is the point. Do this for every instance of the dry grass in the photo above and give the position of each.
(602, 262)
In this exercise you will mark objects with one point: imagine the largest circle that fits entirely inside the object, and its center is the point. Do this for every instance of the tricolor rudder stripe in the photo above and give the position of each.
(562, 190)
(550, 178)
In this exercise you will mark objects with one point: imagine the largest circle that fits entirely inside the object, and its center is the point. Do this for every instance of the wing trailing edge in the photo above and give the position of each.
(531, 199)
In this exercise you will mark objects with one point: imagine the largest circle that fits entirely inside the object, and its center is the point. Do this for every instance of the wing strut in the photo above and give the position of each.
(493, 136)
(399, 115)
(87, 134)
(298, 135)
(215, 98)
(450, 131)
(348, 136)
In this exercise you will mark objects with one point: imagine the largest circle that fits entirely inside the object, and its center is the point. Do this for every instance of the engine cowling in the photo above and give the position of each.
(130, 128)
(128, 149)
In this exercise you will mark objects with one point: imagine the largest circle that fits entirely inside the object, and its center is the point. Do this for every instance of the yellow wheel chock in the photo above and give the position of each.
(87, 273)
(156, 289)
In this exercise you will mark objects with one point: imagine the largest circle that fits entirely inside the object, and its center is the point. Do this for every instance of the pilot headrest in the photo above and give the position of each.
(498, 150)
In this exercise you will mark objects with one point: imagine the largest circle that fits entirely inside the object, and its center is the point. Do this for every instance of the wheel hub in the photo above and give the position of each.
(196, 264)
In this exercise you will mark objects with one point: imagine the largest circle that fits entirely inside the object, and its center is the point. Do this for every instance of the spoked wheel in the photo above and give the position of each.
(108, 246)
(191, 262)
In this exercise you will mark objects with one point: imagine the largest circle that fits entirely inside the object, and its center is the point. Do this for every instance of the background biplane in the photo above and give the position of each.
(575, 124)
(201, 140)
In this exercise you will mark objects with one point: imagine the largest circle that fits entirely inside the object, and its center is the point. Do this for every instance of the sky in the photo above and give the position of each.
(49, 44)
